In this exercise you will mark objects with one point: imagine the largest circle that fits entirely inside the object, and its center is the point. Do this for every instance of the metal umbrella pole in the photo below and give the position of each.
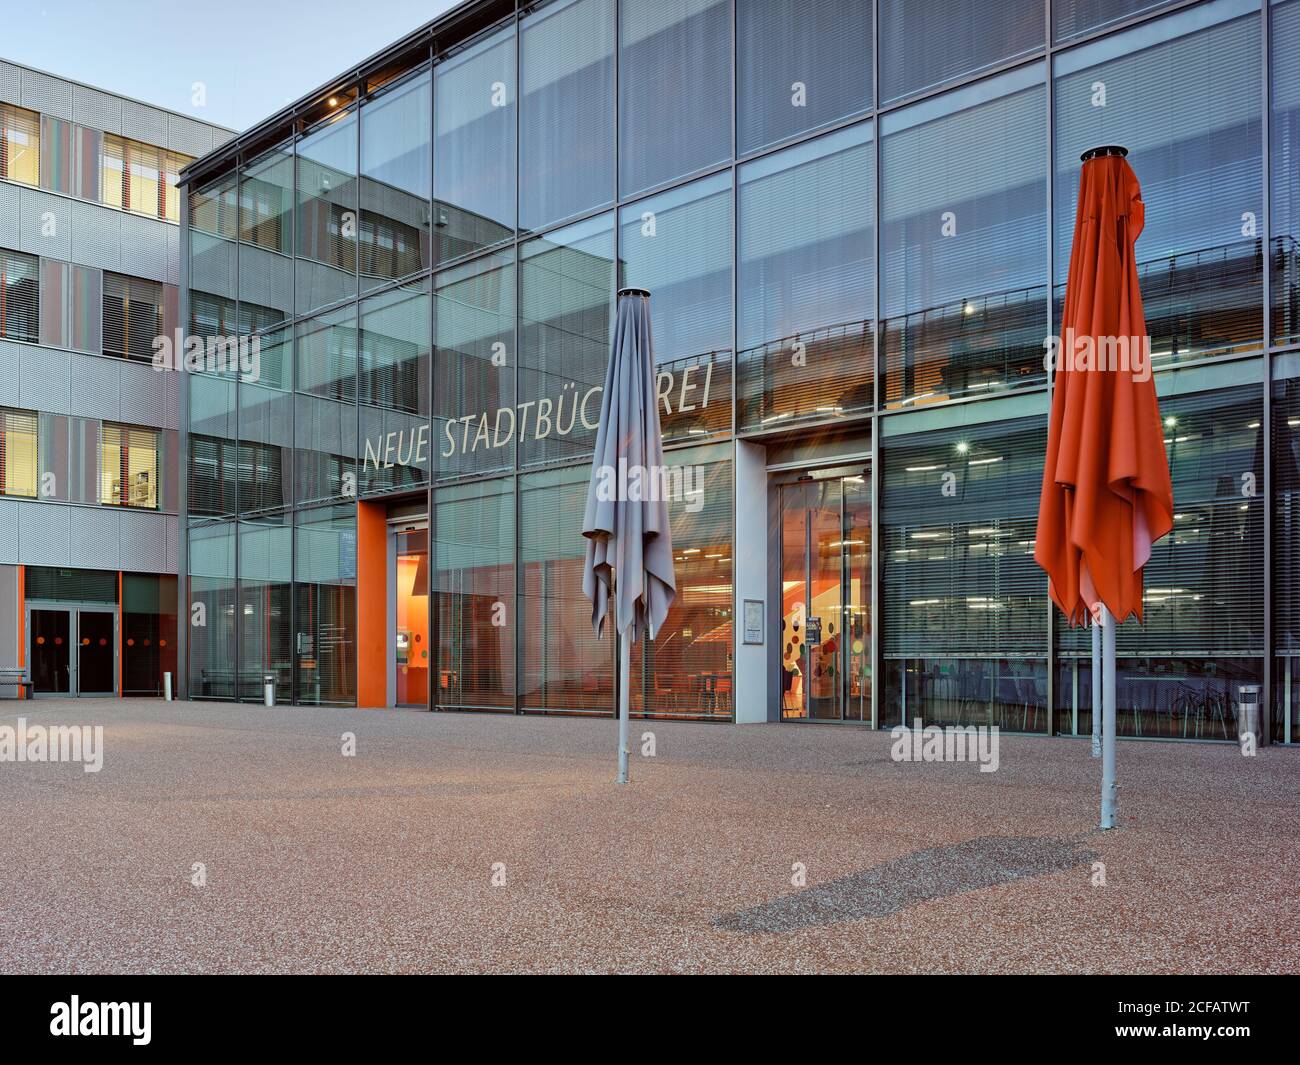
(1108, 785)
(1096, 687)
(624, 700)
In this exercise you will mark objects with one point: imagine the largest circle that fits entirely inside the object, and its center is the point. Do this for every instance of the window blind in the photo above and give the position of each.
(129, 466)
(19, 466)
(133, 316)
(20, 144)
(19, 296)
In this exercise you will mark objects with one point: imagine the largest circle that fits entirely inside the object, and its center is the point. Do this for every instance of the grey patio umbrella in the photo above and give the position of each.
(629, 540)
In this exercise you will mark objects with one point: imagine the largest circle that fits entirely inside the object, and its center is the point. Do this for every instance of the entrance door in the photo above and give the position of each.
(72, 650)
(826, 596)
(411, 616)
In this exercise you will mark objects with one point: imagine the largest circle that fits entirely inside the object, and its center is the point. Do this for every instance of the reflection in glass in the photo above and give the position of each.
(924, 45)
(1188, 109)
(396, 165)
(799, 66)
(266, 235)
(394, 383)
(212, 586)
(806, 281)
(678, 245)
(564, 667)
(566, 127)
(965, 620)
(325, 607)
(674, 89)
(412, 595)
(1284, 147)
(325, 423)
(963, 241)
(1074, 18)
(474, 143)
(475, 422)
(266, 428)
(265, 590)
(327, 214)
(1286, 558)
(687, 668)
(474, 574)
(566, 290)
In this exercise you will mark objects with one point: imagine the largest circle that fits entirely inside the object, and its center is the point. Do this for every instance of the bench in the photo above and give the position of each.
(16, 677)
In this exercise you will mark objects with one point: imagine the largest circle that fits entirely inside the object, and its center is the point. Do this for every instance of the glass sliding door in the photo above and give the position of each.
(826, 593)
(411, 610)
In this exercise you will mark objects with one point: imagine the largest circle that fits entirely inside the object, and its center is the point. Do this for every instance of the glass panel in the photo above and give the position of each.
(413, 618)
(20, 144)
(857, 596)
(95, 653)
(923, 45)
(1285, 148)
(266, 235)
(1074, 18)
(325, 607)
(128, 467)
(51, 646)
(1184, 97)
(19, 449)
(396, 182)
(474, 181)
(794, 601)
(265, 590)
(566, 290)
(964, 602)
(473, 593)
(687, 668)
(674, 93)
(327, 214)
(806, 284)
(325, 425)
(20, 299)
(148, 632)
(475, 422)
(964, 241)
(825, 678)
(678, 245)
(566, 127)
(564, 666)
(1286, 558)
(394, 385)
(800, 66)
(266, 427)
(212, 599)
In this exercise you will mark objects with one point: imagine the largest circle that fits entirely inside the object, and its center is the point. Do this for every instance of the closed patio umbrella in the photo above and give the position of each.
(1107, 495)
(629, 540)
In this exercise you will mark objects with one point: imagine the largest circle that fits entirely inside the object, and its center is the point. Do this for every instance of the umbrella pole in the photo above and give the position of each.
(1108, 786)
(624, 700)
(1096, 689)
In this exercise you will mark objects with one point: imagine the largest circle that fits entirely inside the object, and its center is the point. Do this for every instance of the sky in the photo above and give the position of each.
(251, 56)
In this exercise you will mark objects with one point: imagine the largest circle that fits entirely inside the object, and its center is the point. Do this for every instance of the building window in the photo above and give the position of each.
(141, 177)
(806, 281)
(19, 296)
(1285, 144)
(20, 145)
(1183, 94)
(396, 178)
(327, 209)
(1074, 18)
(133, 316)
(128, 467)
(18, 453)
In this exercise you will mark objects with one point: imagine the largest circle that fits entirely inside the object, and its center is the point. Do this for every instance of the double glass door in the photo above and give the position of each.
(826, 597)
(72, 650)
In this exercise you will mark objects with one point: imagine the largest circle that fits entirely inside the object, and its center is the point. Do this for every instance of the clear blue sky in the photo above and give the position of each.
(253, 56)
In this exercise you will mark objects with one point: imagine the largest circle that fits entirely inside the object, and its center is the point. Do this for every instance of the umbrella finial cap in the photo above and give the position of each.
(1103, 150)
(634, 292)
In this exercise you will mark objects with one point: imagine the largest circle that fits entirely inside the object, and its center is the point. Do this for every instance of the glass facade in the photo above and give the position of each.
(856, 234)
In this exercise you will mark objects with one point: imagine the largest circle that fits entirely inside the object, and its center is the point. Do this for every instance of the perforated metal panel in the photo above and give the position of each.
(96, 394)
(44, 531)
(143, 542)
(45, 224)
(96, 109)
(144, 247)
(9, 236)
(96, 236)
(10, 622)
(173, 545)
(8, 531)
(188, 136)
(143, 123)
(173, 255)
(43, 382)
(10, 367)
(145, 395)
(49, 96)
(95, 537)
(11, 84)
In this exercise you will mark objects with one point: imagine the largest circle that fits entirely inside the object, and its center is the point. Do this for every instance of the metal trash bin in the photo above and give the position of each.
(268, 689)
(1248, 711)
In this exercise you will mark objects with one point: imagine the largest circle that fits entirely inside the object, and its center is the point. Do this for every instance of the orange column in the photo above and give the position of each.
(22, 622)
(372, 604)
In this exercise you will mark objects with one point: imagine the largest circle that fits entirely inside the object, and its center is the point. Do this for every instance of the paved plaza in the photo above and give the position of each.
(483, 843)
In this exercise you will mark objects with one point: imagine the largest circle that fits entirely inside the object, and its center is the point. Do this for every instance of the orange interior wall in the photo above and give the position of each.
(372, 604)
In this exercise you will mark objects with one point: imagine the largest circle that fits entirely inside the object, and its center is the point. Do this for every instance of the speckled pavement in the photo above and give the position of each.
(316, 862)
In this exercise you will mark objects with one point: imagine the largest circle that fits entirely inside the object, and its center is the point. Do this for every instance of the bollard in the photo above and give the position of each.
(1248, 711)
(268, 689)
(167, 687)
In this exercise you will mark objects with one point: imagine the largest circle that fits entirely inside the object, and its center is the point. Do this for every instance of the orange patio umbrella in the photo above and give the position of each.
(1107, 495)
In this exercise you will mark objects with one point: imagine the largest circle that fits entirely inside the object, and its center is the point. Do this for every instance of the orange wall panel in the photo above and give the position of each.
(372, 604)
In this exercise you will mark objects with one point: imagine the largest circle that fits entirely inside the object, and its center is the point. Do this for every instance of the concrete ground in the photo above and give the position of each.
(386, 861)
